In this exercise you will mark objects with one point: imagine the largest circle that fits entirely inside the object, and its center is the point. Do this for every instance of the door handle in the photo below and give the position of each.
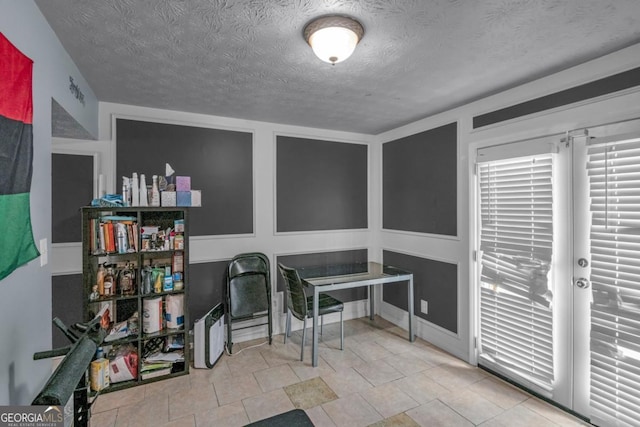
(582, 283)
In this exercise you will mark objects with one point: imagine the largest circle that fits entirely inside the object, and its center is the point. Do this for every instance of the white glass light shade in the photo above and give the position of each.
(333, 44)
(333, 38)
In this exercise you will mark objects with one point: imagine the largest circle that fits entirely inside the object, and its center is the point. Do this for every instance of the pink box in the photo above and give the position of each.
(183, 183)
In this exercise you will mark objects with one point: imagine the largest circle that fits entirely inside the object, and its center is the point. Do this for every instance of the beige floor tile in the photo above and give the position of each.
(267, 405)
(319, 417)
(399, 420)
(372, 335)
(519, 416)
(236, 388)
(104, 419)
(346, 382)
(340, 359)
(116, 399)
(472, 406)
(305, 371)
(187, 421)
(436, 413)
(552, 413)
(499, 392)
(200, 377)
(421, 388)
(371, 350)
(232, 415)
(280, 354)
(204, 376)
(455, 377)
(276, 377)
(431, 354)
(351, 411)
(167, 387)
(192, 401)
(266, 380)
(149, 412)
(247, 361)
(378, 372)
(395, 344)
(388, 400)
(310, 393)
(408, 363)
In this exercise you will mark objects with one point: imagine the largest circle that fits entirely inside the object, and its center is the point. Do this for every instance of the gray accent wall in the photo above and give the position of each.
(603, 86)
(419, 182)
(433, 281)
(219, 162)
(320, 185)
(207, 284)
(66, 301)
(71, 188)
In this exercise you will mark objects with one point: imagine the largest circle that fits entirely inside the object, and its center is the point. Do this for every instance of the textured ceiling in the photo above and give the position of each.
(247, 58)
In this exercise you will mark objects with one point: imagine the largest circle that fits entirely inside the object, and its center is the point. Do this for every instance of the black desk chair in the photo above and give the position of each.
(248, 292)
(301, 305)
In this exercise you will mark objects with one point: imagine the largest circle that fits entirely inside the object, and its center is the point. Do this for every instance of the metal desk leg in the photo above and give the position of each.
(412, 336)
(371, 302)
(314, 345)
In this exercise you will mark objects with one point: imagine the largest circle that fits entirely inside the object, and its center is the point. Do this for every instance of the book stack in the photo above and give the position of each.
(157, 369)
(160, 363)
(113, 234)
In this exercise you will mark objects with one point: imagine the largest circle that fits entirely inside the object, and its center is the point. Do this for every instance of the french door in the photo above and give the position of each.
(559, 268)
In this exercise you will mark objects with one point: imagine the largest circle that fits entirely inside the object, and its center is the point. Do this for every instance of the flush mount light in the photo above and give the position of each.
(333, 38)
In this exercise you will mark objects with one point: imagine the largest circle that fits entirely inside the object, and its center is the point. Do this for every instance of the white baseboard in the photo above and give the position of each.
(434, 334)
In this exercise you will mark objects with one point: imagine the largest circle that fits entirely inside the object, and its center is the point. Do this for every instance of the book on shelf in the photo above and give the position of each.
(113, 234)
(155, 373)
(155, 369)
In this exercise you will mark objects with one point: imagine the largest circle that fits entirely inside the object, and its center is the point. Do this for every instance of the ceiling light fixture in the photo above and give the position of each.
(333, 38)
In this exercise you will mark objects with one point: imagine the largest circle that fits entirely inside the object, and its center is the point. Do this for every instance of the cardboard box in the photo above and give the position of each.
(183, 198)
(196, 198)
(148, 230)
(99, 374)
(168, 198)
(183, 183)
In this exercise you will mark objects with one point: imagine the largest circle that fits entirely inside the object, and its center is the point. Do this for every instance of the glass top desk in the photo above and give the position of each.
(333, 277)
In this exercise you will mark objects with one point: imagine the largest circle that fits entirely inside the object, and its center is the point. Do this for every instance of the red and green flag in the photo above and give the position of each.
(16, 159)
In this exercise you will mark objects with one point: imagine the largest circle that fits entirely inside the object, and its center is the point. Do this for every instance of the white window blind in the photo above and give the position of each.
(614, 185)
(515, 254)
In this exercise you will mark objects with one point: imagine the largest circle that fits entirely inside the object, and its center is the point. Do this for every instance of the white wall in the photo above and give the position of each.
(606, 109)
(25, 295)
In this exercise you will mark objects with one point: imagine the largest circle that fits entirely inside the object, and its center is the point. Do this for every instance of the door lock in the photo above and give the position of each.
(582, 283)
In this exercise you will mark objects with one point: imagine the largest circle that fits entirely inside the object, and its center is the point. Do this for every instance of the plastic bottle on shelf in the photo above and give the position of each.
(143, 191)
(155, 192)
(135, 188)
(100, 279)
(126, 191)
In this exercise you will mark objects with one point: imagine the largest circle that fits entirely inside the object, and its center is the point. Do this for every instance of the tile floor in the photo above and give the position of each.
(380, 379)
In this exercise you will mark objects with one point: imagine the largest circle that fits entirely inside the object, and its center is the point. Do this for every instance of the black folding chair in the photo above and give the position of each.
(248, 294)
